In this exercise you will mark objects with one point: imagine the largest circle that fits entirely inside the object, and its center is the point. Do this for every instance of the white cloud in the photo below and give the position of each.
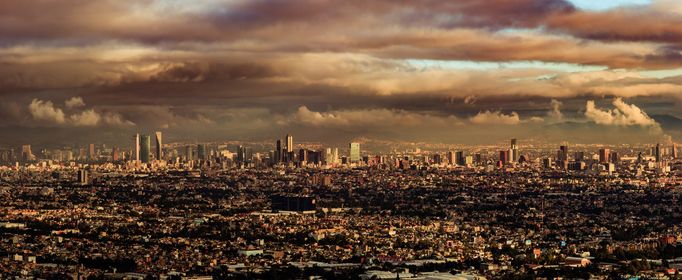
(555, 113)
(623, 114)
(495, 117)
(74, 102)
(46, 111)
(85, 118)
(367, 117)
(114, 119)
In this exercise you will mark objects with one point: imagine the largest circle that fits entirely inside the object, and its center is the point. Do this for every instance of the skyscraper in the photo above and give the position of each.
(354, 152)
(278, 151)
(604, 155)
(514, 151)
(159, 145)
(674, 150)
(201, 152)
(115, 154)
(459, 158)
(335, 155)
(504, 157)
(26, 154)
(451, 158)
(136, 147)
(562, 155)
(188, 153)
(145, 148)
(91, 152)
(290, 143)
(658, 152)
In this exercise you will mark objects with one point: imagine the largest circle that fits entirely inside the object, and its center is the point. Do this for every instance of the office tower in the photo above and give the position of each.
(504, 156)
(188, 153)
(658, 152)
(328, 156)
(562, 155)
(674, 150)
(289, 143)
(614, 158)
(451, 158)
(278, 151)
(579, 156)
(335, 155)
(91, 152)
(159, 145)
(241, 154)
(604, 155)
(26, 154)
(115, 154)
(514, 151)
(145, 148)
(303, 156)
(547, 163)
(136, 147)
(354, 152)
(437, 159)
(201, 152)
(459, 158)
(83, 177)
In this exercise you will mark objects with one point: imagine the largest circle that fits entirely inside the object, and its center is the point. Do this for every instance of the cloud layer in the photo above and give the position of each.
(255, 68)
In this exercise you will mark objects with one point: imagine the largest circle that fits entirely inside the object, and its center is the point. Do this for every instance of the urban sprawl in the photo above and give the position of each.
(297, 211)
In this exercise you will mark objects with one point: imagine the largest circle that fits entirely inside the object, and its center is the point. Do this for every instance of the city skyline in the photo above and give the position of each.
(340, 139)
(465, 72)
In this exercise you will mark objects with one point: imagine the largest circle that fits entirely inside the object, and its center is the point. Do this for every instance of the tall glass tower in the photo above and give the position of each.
(159, 145)
(145, 148)
(354, 152)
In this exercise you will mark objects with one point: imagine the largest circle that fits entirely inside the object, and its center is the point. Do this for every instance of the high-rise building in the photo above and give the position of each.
(514, 151)
(451, 158)
(278, 151)
(83, 177)
(201, 152)
(303, 156)
(115, 154)
(562, 155)
(136, 147)
(459, 158)
(658, 152)
(604, 155)
(354, 152)
(91, 152)
(614, 158)
(26, 154)
(289, 143)
(188, 153)
(335, 155)
(673, 150)
(504, 156)
(145, 148)
(159, 145)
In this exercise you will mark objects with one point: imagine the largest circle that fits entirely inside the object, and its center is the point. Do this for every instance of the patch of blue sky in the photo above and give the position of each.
(661, 74)
(600, 5)
(487, 65)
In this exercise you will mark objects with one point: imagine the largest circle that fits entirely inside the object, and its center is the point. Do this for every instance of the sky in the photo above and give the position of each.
(465, 71)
